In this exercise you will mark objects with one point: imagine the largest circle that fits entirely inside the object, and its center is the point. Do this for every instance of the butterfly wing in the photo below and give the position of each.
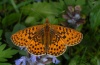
(57, 46)
(30, 39)
(69, 36)
(36, 46)
(22, 37)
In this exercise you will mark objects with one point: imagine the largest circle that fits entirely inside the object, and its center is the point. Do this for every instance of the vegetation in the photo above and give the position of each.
(18, 14)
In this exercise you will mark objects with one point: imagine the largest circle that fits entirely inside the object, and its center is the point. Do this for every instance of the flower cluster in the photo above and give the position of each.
(73, 16)
(36, 60)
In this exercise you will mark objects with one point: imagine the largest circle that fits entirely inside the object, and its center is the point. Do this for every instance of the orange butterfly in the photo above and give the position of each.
(47, 39)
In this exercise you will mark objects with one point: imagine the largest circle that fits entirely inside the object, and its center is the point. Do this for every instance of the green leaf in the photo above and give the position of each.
(2, 47)
(8, 39)
(95, 60)
(0, 43)
(5, 64)
(18, 27)
(85, 64)
(98, 61)
(3, 59)
(40, 9)
(74, 61)
(6, 53)
(14, 6)
(22, 52)
(58, 7)
(52, 20)
(70, 2)
(66, 56)
(30, 20)
(87, 42)
(1, 31)
(95, 16)
(0, 38)
(80, 2)
(10, 19)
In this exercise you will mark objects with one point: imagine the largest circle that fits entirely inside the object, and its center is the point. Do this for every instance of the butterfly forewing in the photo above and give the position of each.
(70, 36)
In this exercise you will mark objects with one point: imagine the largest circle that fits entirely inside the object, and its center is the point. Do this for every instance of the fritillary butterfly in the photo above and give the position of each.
(47, 39)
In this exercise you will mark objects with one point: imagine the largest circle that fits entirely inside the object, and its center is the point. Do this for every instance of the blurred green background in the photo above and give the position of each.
(18, 14)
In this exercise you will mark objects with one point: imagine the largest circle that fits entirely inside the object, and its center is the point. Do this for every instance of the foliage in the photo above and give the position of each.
(16, 15)
(5, 53)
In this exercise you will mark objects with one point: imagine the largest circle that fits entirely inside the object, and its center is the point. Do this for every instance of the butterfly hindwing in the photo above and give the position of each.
(57, 46)
(36, 48)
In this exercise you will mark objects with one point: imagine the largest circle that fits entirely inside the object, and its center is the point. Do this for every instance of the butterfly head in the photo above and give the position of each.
(47, 21)
(47, 24)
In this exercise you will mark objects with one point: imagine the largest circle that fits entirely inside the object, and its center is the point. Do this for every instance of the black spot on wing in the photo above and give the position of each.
(33, 28)
(59, 28)
(64, 37)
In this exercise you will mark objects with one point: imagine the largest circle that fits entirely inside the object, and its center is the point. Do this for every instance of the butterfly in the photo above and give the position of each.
(46, 39)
